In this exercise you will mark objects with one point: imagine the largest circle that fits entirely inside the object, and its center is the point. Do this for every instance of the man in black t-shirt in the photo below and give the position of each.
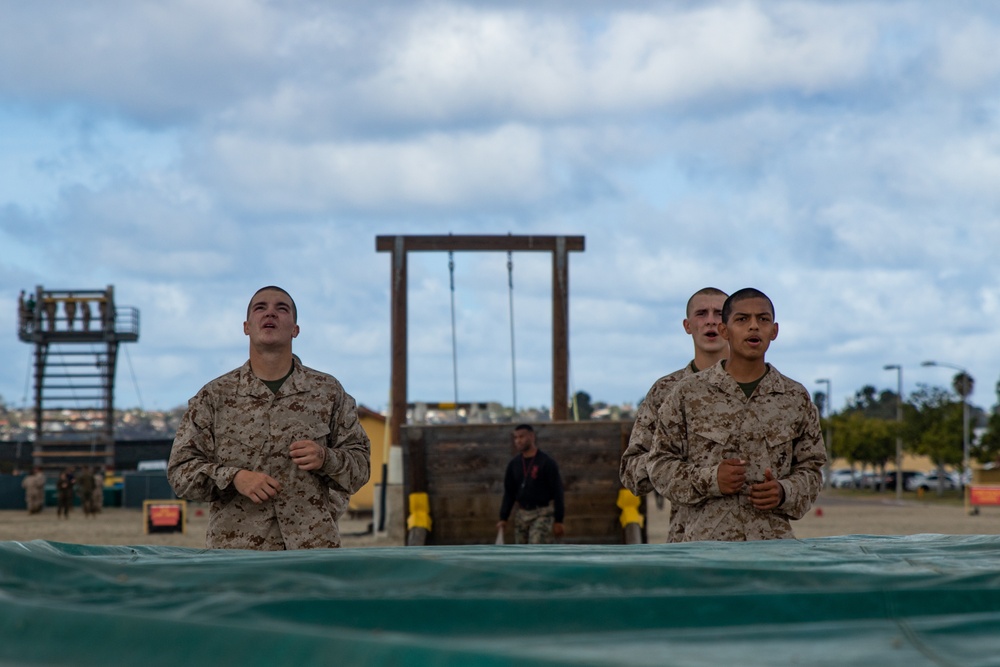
(532, 481)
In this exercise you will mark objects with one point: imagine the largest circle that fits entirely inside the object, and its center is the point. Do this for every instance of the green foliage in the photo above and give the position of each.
(869, 404)
(934, 425)
(865, 440)
(963, 384)
(581, 408)
(989, 445)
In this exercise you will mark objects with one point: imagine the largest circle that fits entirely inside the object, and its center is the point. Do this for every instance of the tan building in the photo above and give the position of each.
(375, 426)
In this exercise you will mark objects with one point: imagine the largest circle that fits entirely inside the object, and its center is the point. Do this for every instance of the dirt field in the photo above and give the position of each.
(847, 513)
(836, 513)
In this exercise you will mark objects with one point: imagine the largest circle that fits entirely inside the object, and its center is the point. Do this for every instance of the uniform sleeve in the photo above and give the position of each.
(348, 457)
(509, 493)
(634, 476)
(670, 469)
(803, 484)
(192, 470)
(558, 499)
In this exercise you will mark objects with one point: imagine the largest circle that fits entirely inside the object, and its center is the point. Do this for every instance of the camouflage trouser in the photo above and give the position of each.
(534, 526)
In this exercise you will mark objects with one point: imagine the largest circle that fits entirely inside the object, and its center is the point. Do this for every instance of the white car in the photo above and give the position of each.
(929, 482)
(845, 478)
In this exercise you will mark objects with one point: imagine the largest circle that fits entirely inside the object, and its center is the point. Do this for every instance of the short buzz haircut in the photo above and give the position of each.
(524, 427)
(704, 291)
(295, 310)
(743, 295)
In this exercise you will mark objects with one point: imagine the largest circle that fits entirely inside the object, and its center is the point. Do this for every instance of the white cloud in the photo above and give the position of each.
(964, 45)
(841, 156)
(503, 167)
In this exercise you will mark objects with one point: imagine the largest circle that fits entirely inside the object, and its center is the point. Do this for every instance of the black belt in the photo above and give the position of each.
(528, 506)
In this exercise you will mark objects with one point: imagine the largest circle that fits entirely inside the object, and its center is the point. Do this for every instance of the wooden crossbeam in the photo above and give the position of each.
(401, 246)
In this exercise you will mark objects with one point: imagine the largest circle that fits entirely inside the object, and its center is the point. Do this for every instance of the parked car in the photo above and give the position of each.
(930, 482)
(845, 478)
(889, 482)
(871, 480)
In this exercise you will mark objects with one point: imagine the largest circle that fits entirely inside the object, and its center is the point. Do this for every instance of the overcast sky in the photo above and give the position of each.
(843, 157)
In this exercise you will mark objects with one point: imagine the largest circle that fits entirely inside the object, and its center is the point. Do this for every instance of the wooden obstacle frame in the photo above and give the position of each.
(461, 469)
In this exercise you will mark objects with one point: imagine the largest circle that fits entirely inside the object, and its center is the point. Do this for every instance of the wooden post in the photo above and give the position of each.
(560, 331)
(397, 413)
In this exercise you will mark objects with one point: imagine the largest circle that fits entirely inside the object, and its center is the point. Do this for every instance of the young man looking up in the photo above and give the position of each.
(704, 314)
(274, 446)
(738, 449)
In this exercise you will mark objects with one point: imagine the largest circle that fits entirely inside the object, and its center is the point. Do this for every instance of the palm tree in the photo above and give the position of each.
(963, 383)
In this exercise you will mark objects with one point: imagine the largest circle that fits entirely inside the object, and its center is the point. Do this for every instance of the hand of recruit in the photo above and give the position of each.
(766, 495)
(259, 487)
(307, 454)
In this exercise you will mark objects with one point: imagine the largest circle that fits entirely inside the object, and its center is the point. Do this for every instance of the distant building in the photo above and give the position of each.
(375, 427)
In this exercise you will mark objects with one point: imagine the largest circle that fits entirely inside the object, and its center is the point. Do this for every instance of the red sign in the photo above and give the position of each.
(984, 495)
(164, 515)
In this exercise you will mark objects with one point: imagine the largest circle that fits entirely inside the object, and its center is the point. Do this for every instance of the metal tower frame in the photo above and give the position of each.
(76, 335)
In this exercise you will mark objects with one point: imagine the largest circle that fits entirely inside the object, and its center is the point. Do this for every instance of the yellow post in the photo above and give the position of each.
(420, 512)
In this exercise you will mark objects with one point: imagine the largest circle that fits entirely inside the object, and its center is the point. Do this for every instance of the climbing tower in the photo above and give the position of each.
(76, 335)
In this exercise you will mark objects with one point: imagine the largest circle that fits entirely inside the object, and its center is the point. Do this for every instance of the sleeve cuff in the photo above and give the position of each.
(713, 482)
(224, 476)
(785, 492)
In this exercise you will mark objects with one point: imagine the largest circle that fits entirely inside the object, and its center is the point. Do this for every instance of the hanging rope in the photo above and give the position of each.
(27, 379)
(135, 383)
(454, 343)
(510, 294)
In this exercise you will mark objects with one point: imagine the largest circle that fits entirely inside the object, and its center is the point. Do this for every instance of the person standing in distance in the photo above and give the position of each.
(738, 447)
(273, 445)
(703, 316)
(532, 481)
(34, 490)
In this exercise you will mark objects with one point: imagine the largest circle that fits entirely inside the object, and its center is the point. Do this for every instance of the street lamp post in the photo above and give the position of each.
(899, 418)
(965, 423)
(829, 428)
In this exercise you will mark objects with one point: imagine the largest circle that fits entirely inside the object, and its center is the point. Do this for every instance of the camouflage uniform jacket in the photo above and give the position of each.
(633, 466)
(34, 487)
(235, 422)
(708, 418)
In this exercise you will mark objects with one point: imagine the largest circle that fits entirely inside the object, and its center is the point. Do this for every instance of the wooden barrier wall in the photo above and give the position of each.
(461, 468)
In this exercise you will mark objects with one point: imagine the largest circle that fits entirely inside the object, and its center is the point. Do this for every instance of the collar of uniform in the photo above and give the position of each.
(773, 382)
(251, 385)
(298, 381)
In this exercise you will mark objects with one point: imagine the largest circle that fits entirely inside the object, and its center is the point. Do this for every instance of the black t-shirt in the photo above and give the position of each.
(531, 483)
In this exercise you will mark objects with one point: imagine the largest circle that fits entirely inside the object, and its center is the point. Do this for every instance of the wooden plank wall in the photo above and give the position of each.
(461, 467)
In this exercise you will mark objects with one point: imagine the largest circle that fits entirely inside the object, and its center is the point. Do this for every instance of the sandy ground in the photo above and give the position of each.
(836, 513)
(850, 513)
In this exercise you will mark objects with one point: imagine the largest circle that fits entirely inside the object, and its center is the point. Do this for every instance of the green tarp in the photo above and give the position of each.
(857, 600)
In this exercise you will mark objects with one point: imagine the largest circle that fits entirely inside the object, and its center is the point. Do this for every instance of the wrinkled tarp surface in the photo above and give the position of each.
(856, 600)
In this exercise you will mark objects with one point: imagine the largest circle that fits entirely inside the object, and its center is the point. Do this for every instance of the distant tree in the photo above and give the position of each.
(989, 445)
(934, 426)
(581, 407)
(864, 440)
(819, 398)
(871, 403)
(963, 384)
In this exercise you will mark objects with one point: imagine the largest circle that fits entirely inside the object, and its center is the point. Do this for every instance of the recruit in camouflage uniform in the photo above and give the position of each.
(235, 422)
(703, 315)
(708, 418)
(633, 471)
(34, 491)
(276, 447)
